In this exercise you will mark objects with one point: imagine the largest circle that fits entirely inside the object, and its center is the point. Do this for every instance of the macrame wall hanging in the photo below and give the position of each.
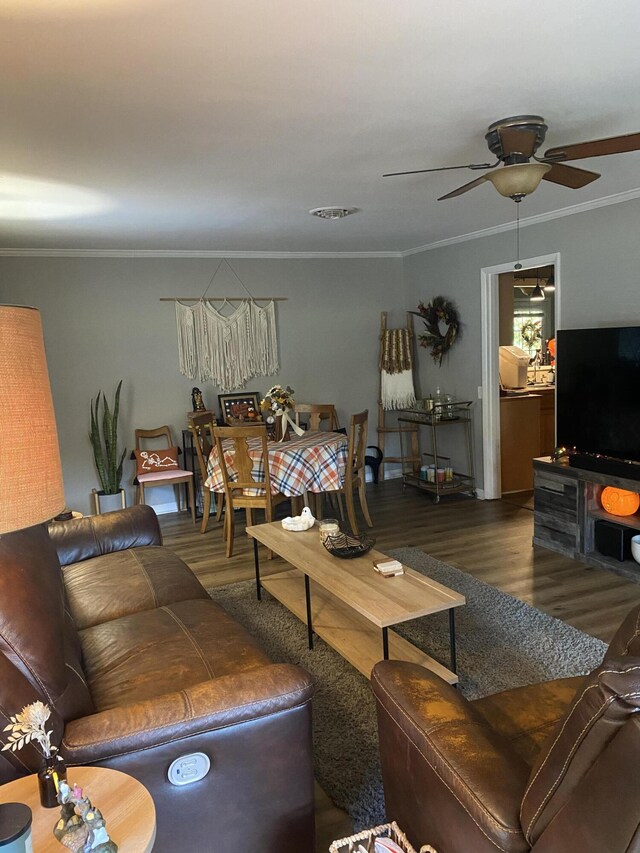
(227, 348)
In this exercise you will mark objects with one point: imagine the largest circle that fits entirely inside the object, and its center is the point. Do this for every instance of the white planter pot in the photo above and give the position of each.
(108, 503)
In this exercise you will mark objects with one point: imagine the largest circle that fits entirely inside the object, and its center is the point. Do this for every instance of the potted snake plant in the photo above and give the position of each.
(105, 453)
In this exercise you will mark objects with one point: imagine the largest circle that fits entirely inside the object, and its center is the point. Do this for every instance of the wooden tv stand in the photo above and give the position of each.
(566, 507)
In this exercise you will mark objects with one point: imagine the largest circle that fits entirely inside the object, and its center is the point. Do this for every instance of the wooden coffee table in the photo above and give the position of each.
(348, 604)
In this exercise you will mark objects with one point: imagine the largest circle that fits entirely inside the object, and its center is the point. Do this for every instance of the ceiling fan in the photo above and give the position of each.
(515, 140)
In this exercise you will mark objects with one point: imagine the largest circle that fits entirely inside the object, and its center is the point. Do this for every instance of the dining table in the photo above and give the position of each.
(313, 462)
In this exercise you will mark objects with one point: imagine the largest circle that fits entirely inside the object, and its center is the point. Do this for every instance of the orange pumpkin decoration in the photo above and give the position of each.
(619, 501)
(551, 346)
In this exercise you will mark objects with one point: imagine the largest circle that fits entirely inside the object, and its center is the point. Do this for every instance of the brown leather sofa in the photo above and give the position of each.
(551, 767)
(141, 667)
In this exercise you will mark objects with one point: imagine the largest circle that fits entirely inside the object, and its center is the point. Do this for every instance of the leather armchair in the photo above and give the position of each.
(550, 768)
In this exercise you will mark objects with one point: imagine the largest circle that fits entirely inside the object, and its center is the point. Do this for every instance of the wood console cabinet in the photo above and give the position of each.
(567, 506)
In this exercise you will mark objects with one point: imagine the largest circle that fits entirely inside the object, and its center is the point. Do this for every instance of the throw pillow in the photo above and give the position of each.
(150, 461)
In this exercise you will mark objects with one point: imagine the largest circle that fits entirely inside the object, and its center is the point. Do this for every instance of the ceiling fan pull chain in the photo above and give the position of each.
(518, 265)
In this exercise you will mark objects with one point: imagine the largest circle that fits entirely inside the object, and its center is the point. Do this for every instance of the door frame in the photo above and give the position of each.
(490, 373)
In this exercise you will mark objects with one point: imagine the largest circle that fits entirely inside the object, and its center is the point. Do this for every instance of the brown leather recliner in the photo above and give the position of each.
(550, 767)
(141, 667)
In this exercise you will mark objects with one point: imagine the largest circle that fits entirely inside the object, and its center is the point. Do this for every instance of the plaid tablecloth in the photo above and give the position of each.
(314, 462)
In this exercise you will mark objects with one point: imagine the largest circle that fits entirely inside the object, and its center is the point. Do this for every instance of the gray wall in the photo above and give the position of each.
(103, 322)
(600, 257)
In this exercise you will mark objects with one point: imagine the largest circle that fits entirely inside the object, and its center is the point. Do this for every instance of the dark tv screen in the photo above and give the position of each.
(598, 391)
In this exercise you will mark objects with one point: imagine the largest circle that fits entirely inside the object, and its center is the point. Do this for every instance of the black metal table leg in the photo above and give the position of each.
(385, 643)
(452, 639)
(256, 559)
(307, 593)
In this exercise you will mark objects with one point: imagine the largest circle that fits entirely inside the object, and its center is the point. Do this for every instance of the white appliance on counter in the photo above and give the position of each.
(513, 364)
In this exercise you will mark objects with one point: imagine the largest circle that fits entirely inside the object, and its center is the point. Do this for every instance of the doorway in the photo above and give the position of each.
(526, 366)
(491, 335)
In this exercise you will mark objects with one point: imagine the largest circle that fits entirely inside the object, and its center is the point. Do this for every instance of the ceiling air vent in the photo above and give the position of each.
(332, 212)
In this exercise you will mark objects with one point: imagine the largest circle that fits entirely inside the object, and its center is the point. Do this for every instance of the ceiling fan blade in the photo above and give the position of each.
(570, 176)
(515, 141)
(442, 169)
(595, 148)
(465, 188)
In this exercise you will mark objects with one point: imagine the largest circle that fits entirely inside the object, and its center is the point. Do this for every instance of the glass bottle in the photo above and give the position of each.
(51, 772)
(437, 404)
(448, 407)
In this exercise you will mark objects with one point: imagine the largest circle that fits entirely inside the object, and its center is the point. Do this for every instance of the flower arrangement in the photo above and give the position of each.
(29, 725)
(278, 400)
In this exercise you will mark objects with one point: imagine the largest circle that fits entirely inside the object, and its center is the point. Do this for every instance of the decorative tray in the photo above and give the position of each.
(366, 841)
(346, 546)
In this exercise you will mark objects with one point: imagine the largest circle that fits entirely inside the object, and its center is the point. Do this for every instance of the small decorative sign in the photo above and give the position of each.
(237, 408)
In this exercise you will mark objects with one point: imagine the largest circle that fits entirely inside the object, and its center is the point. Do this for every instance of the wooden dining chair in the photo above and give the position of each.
(354, 477)
(201, 428)
(147, 439)
(238, 477)
(317, 416)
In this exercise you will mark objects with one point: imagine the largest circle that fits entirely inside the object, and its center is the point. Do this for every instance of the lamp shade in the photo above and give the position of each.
(31, 487)
(518, 180)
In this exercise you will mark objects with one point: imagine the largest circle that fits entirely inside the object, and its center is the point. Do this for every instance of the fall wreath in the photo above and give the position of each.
(531, 333)
(436, 315)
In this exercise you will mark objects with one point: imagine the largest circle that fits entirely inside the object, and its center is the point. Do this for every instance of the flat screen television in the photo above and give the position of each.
(598, 391)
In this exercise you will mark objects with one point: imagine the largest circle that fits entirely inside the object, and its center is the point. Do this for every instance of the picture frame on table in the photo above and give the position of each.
(239, 409)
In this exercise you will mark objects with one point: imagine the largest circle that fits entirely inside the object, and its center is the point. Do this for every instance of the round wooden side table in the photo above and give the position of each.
(125, 803)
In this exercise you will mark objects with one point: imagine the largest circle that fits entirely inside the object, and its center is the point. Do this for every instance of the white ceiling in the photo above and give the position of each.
(208, 125)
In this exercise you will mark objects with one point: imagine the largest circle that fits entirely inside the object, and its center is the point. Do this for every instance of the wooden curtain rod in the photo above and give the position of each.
(223, 298)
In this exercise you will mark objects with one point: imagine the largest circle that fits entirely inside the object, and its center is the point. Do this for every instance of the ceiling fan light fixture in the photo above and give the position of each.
(332, 212)
(518, 180)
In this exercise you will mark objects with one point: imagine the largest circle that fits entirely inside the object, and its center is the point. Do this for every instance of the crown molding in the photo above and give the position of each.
(185, 253)
(618, 198)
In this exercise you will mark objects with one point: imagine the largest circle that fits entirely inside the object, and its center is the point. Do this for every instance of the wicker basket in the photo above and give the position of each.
(367, 838)
(346, 546)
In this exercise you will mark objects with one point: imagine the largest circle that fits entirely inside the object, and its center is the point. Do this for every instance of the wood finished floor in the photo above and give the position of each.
(489, 539)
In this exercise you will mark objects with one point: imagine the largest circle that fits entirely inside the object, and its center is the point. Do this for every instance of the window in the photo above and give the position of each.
(528, 330)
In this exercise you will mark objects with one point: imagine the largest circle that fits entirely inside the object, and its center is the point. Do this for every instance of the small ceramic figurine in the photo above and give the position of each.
(81, 827)
(196, 400)
(299, 522)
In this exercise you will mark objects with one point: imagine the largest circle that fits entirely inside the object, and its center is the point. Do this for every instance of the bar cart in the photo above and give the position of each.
(445, 480)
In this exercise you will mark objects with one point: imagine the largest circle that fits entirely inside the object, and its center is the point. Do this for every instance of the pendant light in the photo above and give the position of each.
(537, 294)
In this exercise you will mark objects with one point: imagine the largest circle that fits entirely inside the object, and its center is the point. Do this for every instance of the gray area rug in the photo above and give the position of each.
(501, 643)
